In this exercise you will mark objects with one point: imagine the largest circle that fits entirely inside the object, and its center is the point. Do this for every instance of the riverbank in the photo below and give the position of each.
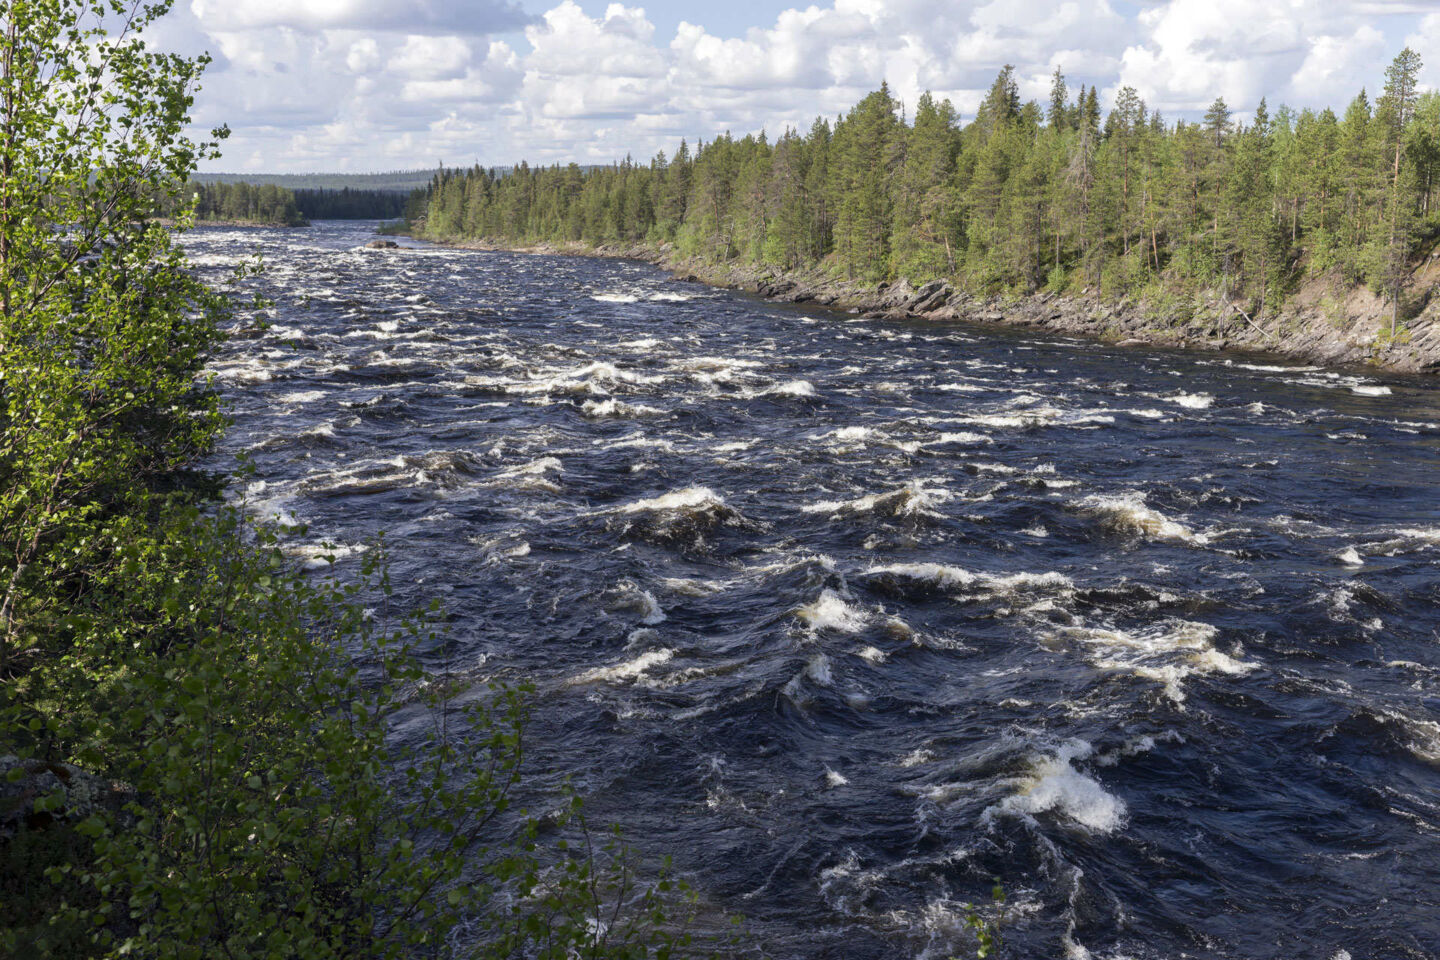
(1318, 325)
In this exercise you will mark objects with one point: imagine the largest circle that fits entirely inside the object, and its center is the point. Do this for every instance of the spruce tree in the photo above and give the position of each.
(1058, 116)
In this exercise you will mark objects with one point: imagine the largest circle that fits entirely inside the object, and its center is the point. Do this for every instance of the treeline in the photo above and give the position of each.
(394, 181)
(1026, 196)
(348, 204)
(265, 203)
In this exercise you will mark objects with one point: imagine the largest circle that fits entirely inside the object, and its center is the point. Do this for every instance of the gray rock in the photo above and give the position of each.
(82, 793)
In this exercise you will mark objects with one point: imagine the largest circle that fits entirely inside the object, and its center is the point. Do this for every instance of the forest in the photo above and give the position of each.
(273, 205)
(266, 203)
(1027, 196)
(350, 204)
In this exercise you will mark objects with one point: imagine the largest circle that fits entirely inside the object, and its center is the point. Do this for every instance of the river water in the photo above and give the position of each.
(852, 616)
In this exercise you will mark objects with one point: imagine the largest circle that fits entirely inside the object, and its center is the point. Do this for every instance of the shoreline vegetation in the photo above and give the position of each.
(1310, 234)
(1316, 330)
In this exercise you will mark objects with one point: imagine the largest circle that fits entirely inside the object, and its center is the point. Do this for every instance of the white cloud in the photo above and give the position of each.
(1304, 52)
(364, 56)
(430, 58)
(383, 83)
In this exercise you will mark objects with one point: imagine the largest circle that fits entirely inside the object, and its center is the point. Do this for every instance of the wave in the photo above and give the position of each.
(912, 500)
(631, 669)
(791, 388)
(943, 577)
(1193, 401)
(831, 612)
(685, 515)
(617, 408)
(1165, 653)
(1053, 785)
(1129, 514)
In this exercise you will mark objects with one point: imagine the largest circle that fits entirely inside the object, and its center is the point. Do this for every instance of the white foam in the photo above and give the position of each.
(1193, 401)
(1366, 391)
(831, 612)
(627, 670)
(1166, 653)
(818, 670)
(1055, 786)
(962, 436)
(617, 408)
(651, 613)
(957, 577)
(303, 396)
(917, 757)
(690, 498)
(849, 434)
(1350, 557)
(1262, 368)
(1130, 514)
(914, 499)
(317, 556)
(791, 388)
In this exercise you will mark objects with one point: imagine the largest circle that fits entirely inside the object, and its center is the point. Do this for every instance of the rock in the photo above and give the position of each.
(83, 794)
(932, 296)
(383, 245)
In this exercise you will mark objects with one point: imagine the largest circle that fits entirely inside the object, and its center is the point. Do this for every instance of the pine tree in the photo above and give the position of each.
(1396, 109)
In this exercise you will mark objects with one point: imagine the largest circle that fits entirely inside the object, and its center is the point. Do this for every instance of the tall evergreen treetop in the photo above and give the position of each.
(1058, 115)
(1217, 121)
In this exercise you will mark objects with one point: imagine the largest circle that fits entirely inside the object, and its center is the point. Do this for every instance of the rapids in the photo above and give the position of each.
(852, 616)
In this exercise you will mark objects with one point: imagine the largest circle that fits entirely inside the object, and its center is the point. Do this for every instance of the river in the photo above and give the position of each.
(852, 616)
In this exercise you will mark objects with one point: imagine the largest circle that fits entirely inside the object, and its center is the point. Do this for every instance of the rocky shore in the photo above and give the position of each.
(1317, 325)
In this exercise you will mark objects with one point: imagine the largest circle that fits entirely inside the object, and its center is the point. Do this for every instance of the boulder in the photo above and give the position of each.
(383, 245)
(81, 794)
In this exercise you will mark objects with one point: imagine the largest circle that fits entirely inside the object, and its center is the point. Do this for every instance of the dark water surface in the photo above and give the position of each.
(851, 616)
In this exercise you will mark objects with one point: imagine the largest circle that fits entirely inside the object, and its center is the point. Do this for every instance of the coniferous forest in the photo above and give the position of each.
(270, 204)
(350, 204)
(1060, 196)
(245, 202)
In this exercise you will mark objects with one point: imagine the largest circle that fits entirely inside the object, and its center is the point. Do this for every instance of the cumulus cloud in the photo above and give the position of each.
(385, 83)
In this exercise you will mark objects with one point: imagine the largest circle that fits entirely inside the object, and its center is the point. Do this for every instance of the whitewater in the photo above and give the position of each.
(851, 617)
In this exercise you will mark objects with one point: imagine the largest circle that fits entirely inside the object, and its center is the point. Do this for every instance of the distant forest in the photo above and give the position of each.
(348, 204)
(1025, 197)
(397, 181)
(265, 203)
(278, 206)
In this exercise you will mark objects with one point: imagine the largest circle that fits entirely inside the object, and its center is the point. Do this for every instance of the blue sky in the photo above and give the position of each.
(382, 84)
